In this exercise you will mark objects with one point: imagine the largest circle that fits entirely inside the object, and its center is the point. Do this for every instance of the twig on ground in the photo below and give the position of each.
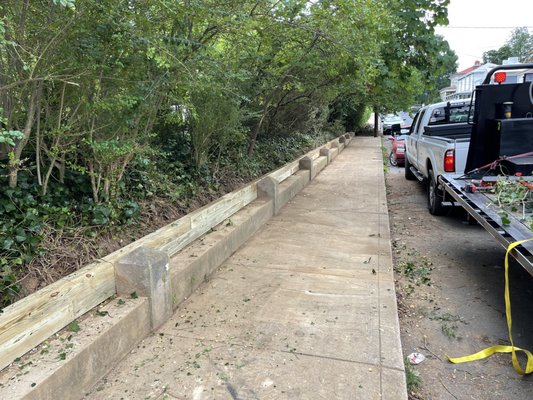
(448, 390)
(428, 349)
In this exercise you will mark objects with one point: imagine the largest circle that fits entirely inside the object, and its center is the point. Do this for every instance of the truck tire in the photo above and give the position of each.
(434, 199)
(407, 170)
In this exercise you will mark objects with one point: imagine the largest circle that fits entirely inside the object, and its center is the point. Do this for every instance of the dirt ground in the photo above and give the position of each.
(450, 286)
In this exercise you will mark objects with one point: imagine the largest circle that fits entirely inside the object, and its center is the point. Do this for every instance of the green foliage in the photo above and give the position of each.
(120, 213)
(449, 326)
(8, 137)
(352, 115)
(74, 327)
(9, 287)
(24, 213)
(166, 177)
(272, 153)
(215, 123)
(514, 197)
(65, 3)
(107, 104)
(414, 61)
(520, 45)
(19, 235)
(512, 194)
(412, 377)
(417, 273)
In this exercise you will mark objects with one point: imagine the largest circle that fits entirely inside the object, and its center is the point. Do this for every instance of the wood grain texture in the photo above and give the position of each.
(207, 217)
(33, 319)
(314, 154)
(284, 172)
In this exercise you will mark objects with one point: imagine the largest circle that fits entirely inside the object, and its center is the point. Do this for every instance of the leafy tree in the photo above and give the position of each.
(520, 45)
(414, 58)
(106, 102)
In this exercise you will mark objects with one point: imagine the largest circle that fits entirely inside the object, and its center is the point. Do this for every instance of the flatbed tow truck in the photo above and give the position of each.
(501, 151)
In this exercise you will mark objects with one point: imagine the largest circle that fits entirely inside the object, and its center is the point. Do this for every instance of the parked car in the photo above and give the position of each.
(390, 121)
(397, 154)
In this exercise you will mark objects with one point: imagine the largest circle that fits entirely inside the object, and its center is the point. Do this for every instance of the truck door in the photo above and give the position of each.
(409, 145)
(414, 136)
(420, 159)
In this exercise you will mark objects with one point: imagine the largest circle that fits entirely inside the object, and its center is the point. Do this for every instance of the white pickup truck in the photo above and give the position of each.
(438, 143)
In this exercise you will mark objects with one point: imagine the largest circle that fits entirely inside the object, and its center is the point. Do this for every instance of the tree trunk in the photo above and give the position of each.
(257, 129)
(95, 183)
(376, 122)
(38, 147)
(14, 158)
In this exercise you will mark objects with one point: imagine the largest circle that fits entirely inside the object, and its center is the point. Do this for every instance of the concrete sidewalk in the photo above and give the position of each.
(306, 309)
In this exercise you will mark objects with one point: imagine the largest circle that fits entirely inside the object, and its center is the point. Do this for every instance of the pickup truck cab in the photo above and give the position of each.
(438, 143)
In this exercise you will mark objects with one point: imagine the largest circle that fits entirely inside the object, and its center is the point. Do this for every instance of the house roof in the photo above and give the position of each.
(468, 70)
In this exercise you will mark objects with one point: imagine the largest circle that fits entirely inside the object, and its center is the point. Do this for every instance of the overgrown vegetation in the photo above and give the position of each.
(111, 111)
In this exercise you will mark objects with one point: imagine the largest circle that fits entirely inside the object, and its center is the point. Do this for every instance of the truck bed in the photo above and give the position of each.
(478, 205)
(450, 131)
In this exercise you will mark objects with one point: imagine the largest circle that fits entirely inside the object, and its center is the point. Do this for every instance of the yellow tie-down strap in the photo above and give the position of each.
(504, 349)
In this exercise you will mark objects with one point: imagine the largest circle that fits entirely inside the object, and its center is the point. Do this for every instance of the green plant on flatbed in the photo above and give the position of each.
(514, 197)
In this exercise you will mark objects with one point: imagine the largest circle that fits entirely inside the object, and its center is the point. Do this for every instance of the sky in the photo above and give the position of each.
(477, 26)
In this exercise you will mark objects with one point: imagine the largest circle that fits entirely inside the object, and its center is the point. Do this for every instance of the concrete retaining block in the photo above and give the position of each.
(333, 153)
(268, 188)
(194, 264)
(319, 164)
(145, 272)
(324, 152)
(291, 186)
(306, 164)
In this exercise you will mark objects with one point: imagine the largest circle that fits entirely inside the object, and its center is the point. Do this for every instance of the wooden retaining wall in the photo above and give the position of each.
(32, 320)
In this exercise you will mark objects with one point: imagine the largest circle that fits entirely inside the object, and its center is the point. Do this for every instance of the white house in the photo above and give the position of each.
(464, 82)
(470, 78)
(460, 83)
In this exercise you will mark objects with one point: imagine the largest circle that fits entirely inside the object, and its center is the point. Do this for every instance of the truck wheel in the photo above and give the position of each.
(407, 170)
(434, 198)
